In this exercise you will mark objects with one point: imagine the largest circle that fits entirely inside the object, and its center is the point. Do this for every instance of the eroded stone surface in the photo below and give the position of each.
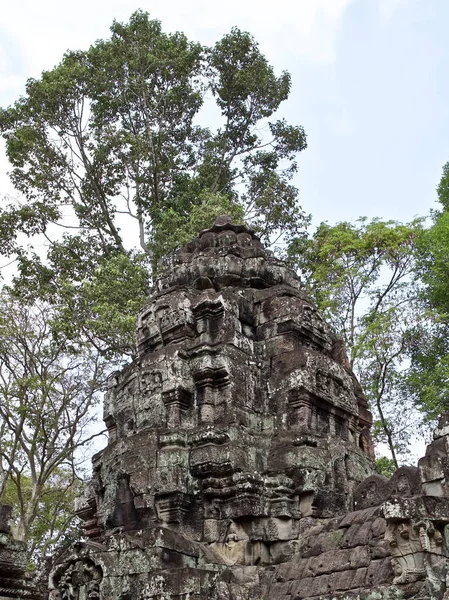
(14, 583)
(239, 463)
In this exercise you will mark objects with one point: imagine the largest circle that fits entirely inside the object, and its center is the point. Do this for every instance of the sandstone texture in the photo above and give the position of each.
(14, 583)
(239, 463)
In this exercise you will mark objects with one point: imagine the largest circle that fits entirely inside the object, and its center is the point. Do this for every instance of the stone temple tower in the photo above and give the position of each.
(238, 425)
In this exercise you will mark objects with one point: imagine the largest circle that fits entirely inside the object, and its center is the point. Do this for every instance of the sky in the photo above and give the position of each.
(370, 84)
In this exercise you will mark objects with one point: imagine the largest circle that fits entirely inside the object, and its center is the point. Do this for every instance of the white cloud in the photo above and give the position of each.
(387, 8)
(9, 81)
(34, 35)
(42, 31)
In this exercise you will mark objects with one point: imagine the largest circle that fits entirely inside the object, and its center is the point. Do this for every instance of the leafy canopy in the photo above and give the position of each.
(111, 149)
(49, 391)
(429, 376)
(362, 277)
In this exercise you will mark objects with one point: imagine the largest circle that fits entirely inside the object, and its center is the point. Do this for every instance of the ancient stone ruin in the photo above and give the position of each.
(14, 582)
(239, 463)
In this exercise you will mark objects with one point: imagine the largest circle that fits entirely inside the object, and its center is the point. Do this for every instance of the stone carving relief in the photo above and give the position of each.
(150, 382)
(79, 579)
(236, 547)
(415, 548)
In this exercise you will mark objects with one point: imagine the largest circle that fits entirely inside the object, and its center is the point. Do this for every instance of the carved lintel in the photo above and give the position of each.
(178, 396)
(77, 578)
(176, 400)
(210, 436)
(172, 507)
(208, 309)
(284, 507)
(172, 439)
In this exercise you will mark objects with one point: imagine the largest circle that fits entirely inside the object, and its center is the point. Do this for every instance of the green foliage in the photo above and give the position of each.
(109, 141)
(55, 524)
(428, 379)
(434, 264)
(385, 466)
(49, 390)
(94, 299)
(362, 278)
(443, 188)
(428, 376)
(104, 305)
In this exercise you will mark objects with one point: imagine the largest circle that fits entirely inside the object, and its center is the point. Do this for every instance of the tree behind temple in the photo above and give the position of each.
(113, 133)
(49, 391)
(362, 277)
(429, 375)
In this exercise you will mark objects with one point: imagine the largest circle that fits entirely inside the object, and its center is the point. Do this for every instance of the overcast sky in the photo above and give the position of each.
(370, 84)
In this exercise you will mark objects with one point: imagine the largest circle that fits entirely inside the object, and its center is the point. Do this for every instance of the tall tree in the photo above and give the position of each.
(48, 394)
(362, 278)
(112, 138)
(429, 374)
(55, 525)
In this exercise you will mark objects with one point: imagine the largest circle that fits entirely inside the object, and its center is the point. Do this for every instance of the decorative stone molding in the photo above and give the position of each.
(240, 460)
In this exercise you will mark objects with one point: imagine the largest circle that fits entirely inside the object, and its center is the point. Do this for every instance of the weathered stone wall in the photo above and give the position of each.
(239, 463)
(397, 544)
(336, 557)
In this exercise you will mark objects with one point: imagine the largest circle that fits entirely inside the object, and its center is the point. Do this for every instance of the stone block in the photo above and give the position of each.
(359, 557)
(358, 535)
(379, 572)
(359, 578)
(303, 588)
